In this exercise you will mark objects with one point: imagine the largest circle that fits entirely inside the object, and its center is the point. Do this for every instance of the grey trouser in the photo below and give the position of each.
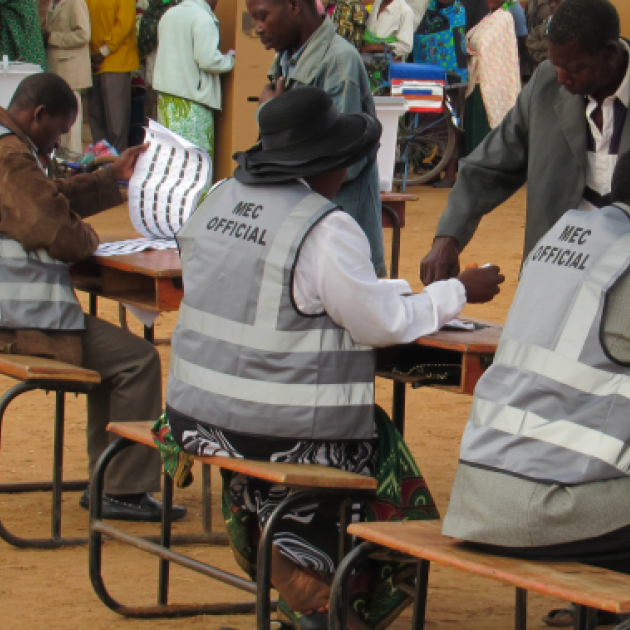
(130, 389)
(109, 108)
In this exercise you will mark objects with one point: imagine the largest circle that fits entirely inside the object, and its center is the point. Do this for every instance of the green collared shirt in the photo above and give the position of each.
(329, 62)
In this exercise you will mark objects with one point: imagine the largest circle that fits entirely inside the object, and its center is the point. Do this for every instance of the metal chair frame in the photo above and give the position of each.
(57, 485)
(585, 618)
(162, 549)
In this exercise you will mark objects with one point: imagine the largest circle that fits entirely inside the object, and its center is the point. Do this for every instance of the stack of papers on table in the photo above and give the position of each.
(164, 190)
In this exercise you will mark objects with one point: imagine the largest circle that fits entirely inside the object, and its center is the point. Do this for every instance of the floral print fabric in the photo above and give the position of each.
(20, 32)
(494, 64)
(188, 119)
(441, 39)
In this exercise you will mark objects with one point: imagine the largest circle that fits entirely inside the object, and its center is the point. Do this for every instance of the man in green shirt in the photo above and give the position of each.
(310, 52)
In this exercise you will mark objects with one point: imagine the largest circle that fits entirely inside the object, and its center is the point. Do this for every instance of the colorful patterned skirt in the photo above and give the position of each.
(20, 33)
(310, 538)
(190, 120)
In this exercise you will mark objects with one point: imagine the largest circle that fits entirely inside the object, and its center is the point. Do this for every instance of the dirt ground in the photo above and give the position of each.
(51, 589)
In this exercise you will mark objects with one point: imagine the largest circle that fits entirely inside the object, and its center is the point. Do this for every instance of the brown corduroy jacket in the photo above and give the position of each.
(44, 214)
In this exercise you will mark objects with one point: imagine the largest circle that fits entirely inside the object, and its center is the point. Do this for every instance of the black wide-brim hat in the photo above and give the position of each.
(303, 134)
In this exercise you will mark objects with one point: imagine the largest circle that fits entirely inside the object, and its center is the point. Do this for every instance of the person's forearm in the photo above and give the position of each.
(402, 319)
(91, 193)
(375, 312)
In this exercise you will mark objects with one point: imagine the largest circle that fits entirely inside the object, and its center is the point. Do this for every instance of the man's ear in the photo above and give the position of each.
(611, 50)
(38, 113)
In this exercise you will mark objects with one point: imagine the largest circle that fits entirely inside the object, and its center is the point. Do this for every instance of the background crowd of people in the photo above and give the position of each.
(111, 52)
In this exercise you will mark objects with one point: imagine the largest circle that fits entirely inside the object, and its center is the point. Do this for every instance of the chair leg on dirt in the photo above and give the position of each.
(263, 568)
(162, 609)
(520, 610)
(338, 593)
(57, 485)
(585, 618)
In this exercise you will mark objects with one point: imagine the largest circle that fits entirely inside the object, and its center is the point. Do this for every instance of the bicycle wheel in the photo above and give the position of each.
(426, 142)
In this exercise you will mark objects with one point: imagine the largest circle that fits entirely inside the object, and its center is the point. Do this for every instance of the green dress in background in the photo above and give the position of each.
(20, 32)
(190, 120)
(475, 121)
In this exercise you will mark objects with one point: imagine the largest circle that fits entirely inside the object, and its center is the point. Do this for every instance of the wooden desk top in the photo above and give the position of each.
(483, 341)
(157, 264)
(293, 475)
(394, 197)
(591, 586)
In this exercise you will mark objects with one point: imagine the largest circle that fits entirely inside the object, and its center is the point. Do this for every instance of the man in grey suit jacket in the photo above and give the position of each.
(561, 138)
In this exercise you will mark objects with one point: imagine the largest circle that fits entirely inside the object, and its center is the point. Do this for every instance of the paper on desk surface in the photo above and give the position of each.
(118, 248)
(167, 182)
(458, 324)
(146, 316)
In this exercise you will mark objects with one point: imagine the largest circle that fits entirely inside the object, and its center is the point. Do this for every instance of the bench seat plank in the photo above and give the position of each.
(28, 368)
(294, 475)
(589, 586)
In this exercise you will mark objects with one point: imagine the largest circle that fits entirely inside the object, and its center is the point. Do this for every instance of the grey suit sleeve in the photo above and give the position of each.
(491, 174)
(616, 321)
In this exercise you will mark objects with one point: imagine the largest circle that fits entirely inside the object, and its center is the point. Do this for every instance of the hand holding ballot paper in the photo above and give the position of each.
(164, 190)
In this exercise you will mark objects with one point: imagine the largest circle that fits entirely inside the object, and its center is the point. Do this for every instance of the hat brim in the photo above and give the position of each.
(352, 138)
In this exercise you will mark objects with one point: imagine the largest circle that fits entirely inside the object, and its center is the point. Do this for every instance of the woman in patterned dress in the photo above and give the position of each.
(187, 71)
(494, 73)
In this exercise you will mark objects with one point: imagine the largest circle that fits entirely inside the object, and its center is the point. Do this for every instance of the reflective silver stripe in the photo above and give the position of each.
(563, 433)
(37, 292)
(562, 370)
(272, 281)
(12, 249)
(264, 392)
(216, 327)
(586, 305)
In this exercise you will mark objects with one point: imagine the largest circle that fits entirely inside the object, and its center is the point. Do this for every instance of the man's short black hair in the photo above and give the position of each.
(621, 180)
(47, 89)
(591, 23)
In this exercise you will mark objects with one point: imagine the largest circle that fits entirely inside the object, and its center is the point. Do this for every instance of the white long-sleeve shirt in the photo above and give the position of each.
(334, 274)
(396, 20)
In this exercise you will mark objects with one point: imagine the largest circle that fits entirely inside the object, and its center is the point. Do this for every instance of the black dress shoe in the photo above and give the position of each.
(139, 507)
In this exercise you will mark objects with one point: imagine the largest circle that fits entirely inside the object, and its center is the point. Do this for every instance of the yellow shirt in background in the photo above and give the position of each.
(114, 29)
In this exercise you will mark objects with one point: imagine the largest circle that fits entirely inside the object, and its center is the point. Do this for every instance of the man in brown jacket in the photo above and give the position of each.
(41, 233)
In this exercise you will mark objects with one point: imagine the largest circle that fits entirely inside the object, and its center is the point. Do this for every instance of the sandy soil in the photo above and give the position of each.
(51, 589)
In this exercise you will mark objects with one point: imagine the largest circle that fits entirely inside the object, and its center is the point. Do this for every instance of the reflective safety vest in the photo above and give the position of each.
(35, 289)
(554, 406)
(242, 357)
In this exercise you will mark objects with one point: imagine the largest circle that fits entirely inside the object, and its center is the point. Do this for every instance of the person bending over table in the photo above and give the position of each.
(310, 52)
(273, 354)
(562, 137)
(548, 432)
(41, 233)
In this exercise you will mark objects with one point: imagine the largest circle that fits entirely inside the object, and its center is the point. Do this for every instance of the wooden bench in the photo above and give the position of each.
(310, 483)
(48, 375)
(590, 588)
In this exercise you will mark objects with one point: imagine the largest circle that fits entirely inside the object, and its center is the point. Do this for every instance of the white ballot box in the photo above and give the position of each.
(11, 74)
(388, 110)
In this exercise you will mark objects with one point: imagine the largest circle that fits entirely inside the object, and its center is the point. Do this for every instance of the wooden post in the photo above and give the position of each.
(235, 126)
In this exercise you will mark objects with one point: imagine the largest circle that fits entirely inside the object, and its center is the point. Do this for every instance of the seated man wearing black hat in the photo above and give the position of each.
(273, 354)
